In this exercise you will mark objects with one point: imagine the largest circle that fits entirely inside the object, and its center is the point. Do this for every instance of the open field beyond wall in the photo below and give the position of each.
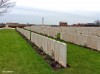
(18, 56)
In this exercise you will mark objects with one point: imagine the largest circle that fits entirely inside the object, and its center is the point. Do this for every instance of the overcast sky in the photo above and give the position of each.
(53, 11)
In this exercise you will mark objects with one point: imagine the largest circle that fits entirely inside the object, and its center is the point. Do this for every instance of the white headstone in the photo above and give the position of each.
(89, 41)
(62, 54)
(45, 44)
(98, 43)
(52, 48)
(57, 50)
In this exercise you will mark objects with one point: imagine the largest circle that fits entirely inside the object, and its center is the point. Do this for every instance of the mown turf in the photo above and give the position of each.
(82, 61)
(18, 56)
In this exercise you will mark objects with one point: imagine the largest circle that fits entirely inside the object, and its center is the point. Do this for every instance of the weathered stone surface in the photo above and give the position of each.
(37, 42)
(79, 40)
(25, 33)
(98, 32)
(57, 50)
(65, 36)
(36, 38)
(94, 42)
(70, 37)
(33, 37)
(84, 40)
(40, 41)
(28, 35)
(98, 43)
(75, 39)
(52, 48)
(63, 54)
(43, 43)
(89, 41)
(48, 46)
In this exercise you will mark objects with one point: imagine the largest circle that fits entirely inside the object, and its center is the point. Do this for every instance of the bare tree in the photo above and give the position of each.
(5, 5)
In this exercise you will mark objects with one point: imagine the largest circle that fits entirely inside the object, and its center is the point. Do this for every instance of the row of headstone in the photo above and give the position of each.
(24, 32)
(83, 40)
(44, 30)
(27, 34)
(52, 31)
(57, 50)
(78, 35)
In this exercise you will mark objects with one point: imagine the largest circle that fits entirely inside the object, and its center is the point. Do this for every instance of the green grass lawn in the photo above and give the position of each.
(18, 56)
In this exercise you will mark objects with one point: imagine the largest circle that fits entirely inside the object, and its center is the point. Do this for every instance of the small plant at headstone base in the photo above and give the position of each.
(58, 36)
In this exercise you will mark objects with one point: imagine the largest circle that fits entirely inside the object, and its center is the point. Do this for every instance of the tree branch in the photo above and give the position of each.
(4, 5)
